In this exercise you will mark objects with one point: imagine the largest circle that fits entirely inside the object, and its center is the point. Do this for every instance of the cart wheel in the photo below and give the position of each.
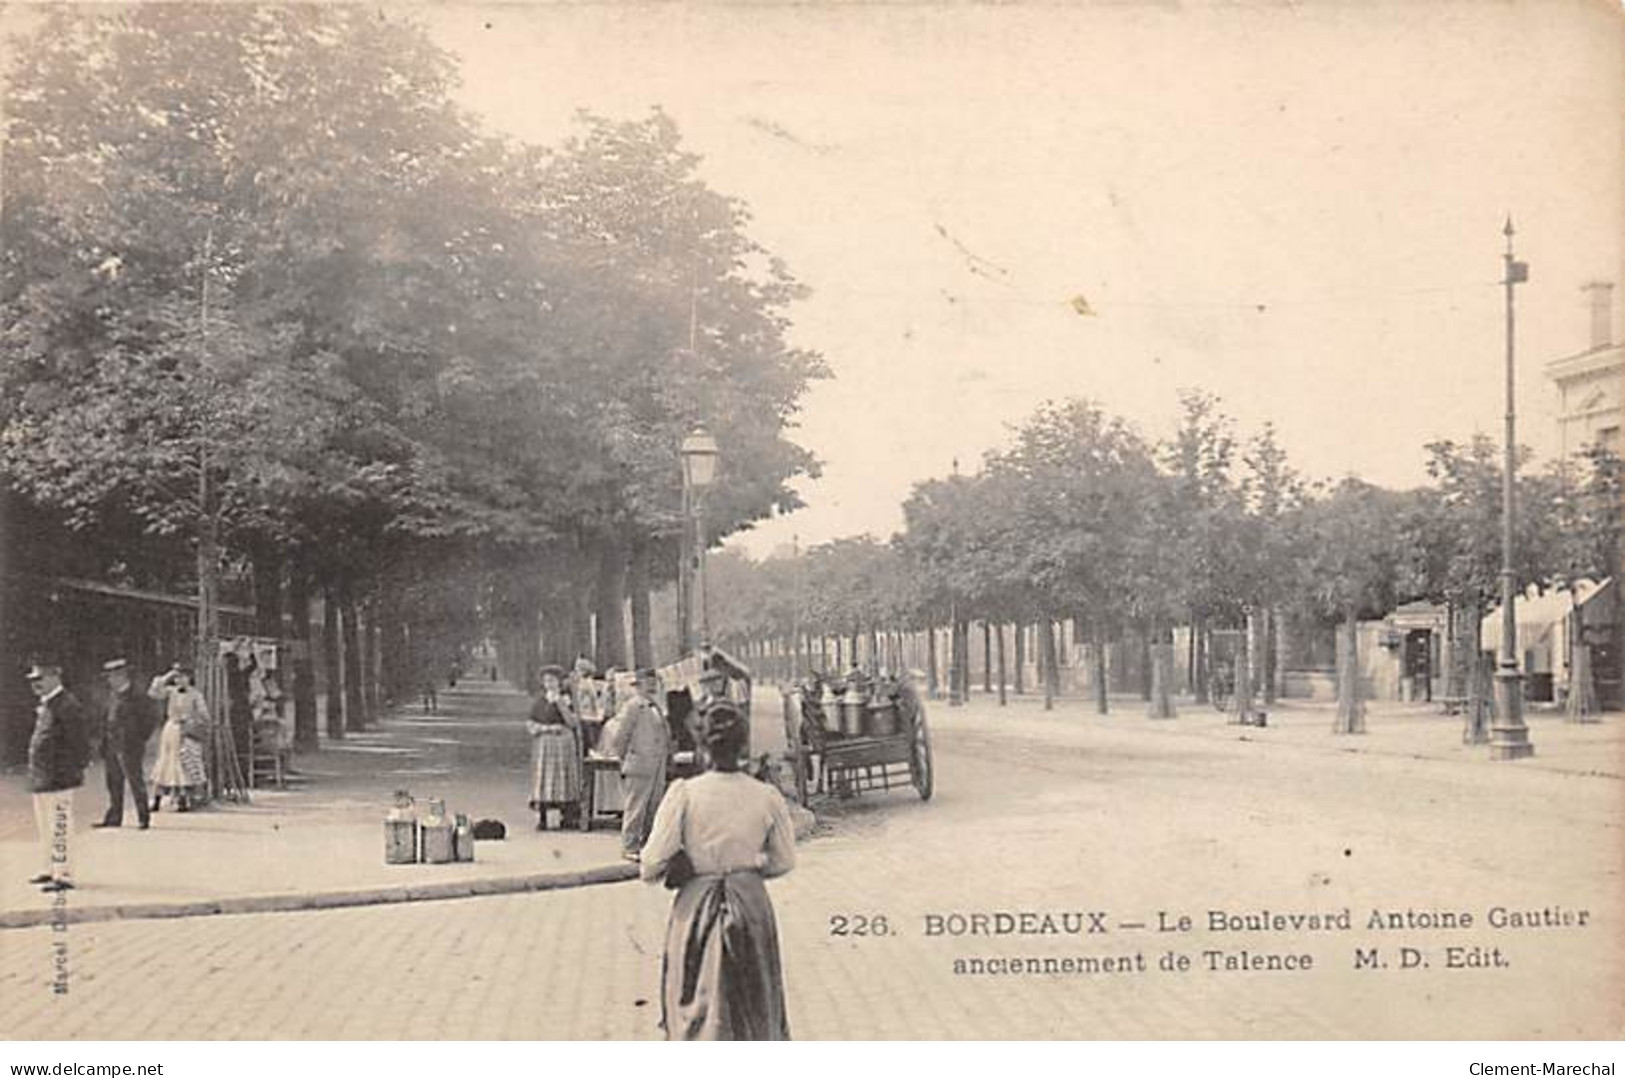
(920, 758)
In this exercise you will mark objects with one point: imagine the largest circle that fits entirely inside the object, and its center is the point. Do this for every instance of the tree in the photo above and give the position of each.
(1452, 532)
(1354, 564)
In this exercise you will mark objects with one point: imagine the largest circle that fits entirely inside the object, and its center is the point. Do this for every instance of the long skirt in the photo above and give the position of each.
(720, 977)
(555, 774)
(179, 767)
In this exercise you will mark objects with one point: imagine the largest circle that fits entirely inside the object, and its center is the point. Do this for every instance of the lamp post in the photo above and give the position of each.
(699, 452)
(1509, 737)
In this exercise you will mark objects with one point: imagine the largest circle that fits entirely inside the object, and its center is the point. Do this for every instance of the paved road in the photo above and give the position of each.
(1034, 813)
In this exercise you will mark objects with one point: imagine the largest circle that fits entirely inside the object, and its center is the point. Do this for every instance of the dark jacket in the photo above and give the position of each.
(60, 747)
(128, 723)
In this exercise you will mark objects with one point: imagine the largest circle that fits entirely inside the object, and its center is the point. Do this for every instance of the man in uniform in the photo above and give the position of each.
(125, 730)
(641, 741)
(57, 754)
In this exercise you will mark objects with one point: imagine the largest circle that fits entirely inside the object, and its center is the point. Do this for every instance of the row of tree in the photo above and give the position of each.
(1080, 518)
(275, 311)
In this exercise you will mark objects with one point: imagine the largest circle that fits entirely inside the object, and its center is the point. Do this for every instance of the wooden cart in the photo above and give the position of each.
(828, 759)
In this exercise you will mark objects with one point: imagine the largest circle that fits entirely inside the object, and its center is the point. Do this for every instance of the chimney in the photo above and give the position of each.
(1602, 313)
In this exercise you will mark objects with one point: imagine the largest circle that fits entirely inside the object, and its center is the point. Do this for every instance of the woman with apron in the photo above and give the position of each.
(555, 774)
(716, 838)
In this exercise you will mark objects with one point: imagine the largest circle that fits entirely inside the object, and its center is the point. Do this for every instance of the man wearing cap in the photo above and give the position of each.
(125, 730)
(642, 742)
(57, 754)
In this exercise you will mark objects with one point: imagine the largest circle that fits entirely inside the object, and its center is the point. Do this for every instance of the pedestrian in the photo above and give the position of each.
(555, 752)
(588, 700)
(431, 697)
(125, 729)
(716, 838)
(58, 752)
(639, 738)
(180, 772)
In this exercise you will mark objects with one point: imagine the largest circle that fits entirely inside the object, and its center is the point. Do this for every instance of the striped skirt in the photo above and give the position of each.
(180, 762)
(555, 767)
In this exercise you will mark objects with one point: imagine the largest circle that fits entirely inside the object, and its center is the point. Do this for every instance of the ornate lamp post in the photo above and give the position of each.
(699, 452)
(1509, 737)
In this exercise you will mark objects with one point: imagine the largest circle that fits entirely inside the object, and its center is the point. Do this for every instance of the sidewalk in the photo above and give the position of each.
(1414, 731)
(319, 843)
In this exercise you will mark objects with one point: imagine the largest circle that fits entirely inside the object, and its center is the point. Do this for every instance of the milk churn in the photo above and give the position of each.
(883, 710)
(437, 831)
(401, 831)
(855, 707)
(830, 705)
(462, 838)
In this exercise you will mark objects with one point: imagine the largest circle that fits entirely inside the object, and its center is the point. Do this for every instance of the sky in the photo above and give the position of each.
(1296, 206)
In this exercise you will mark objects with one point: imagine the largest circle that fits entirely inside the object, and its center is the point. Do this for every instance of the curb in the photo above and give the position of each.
(326, 900)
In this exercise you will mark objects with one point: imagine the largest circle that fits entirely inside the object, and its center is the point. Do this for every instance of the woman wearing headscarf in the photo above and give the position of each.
(555, 772)
(179, 771)
(716, 838)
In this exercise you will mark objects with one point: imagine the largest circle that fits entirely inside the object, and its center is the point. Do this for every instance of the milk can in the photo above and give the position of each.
(437, 831)
(854, 708)
(830, 705)
(883, 715)
(401, 831)
(462, 838)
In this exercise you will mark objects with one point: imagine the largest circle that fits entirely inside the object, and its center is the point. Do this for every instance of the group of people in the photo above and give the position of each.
(713, 838)
(64, 740)
(576, 715)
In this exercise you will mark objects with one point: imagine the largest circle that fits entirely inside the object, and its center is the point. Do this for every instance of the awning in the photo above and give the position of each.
(1542, 616)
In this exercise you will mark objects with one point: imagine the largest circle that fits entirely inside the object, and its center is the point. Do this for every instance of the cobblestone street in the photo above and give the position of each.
(1039, 813)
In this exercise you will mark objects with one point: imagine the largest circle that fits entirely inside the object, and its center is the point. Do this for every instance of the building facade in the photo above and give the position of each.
(1591, 384)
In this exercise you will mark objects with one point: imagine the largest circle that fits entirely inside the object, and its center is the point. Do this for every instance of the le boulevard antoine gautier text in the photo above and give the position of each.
(1244, 930)
(1100, 922)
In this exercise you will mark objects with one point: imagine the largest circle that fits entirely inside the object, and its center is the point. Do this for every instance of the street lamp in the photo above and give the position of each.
(699, 452)
(1509, 737)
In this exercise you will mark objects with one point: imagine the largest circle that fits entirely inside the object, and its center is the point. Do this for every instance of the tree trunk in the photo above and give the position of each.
(333, 665)
(637, 587)
(375, 656)
(1480, 696)
(1271, 687)
(987, 656)
(1161, 704)
(1581, 704)
(1002, 698)
(1350, 708)
(1021, 658)
(611, 607)
(303, 679)
(267, 563)
(580, 626)
(1190, 659)
(1199, 665)
(933, 687)
(1102, 687)
(1050, 674)
(1147, 675)
(964, 662)
(355, 713)
(1246, 676)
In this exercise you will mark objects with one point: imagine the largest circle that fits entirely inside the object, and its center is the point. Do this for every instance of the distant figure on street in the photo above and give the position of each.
(58, 752)
(455, 672)
(638, 736)
(555, 752)
(431, 696)
(180, 772)
(126, 727)
(716, 838)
